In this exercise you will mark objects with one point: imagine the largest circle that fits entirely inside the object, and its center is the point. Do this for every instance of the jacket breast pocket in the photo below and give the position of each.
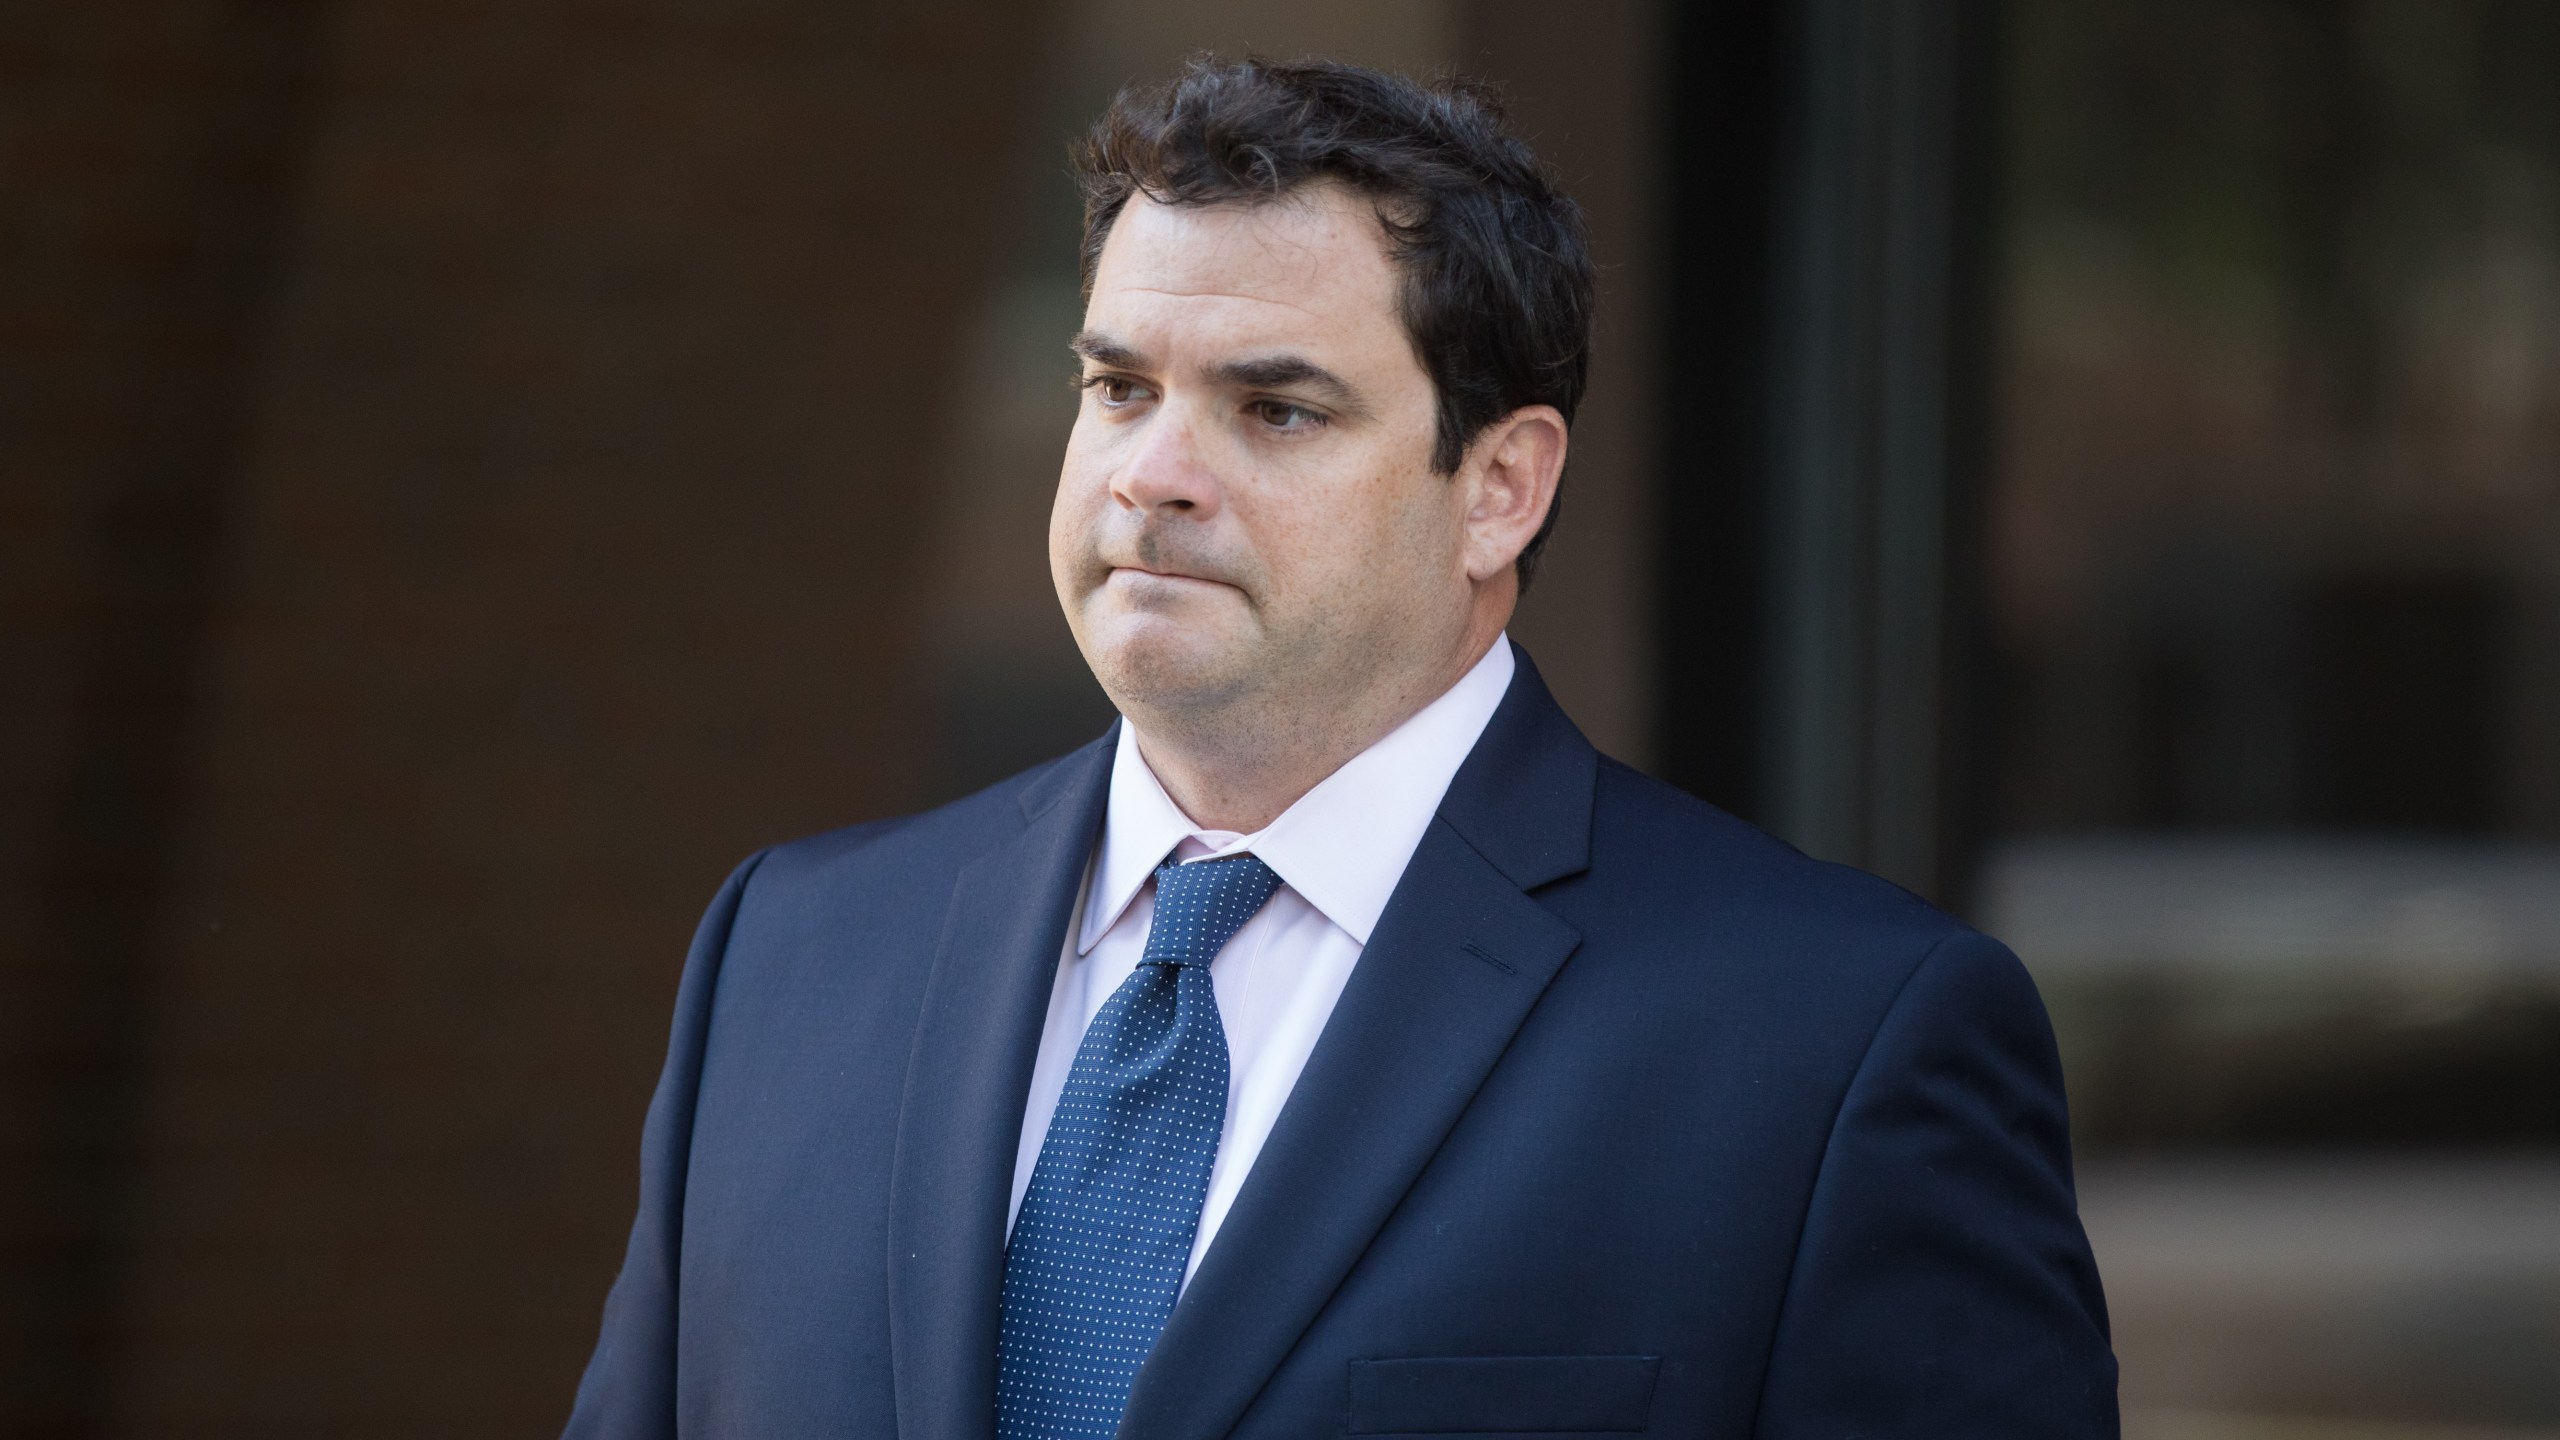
(1502, 1394)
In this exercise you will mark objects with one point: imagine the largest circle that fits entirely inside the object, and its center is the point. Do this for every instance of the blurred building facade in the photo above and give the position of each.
(471, 474)
(2273, 622)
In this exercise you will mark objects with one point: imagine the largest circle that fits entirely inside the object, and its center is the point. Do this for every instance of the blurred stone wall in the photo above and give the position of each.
(147, 158)
(465, 466)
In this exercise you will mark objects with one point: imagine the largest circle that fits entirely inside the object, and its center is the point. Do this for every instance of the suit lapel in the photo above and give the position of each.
(961, 1119)
(1456, 963)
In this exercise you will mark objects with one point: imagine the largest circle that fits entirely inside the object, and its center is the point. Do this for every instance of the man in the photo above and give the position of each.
(1339, 1045)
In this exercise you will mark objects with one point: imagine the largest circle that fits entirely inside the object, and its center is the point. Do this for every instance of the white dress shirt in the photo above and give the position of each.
(1338, 851)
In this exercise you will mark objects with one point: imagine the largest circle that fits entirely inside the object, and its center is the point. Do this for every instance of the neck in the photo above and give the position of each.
(1239, 771)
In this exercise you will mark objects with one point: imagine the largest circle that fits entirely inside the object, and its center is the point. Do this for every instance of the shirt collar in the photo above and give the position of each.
(1342, 846)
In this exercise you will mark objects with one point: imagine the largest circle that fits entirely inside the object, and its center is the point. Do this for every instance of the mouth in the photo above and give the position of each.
(1140, 575)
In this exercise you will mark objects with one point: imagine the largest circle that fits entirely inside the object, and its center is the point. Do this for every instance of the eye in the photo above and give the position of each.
(1283, 416)
(1114, 390)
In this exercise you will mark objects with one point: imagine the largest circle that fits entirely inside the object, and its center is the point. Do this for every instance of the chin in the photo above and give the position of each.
(1150, 661)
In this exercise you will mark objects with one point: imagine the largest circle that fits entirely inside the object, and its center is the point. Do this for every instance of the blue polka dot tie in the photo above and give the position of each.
(1105, 1230)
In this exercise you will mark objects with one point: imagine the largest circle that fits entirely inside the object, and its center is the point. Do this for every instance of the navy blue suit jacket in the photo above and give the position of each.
(1631, 1118)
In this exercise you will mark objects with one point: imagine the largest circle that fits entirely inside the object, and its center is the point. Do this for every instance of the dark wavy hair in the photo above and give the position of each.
(1498, 288)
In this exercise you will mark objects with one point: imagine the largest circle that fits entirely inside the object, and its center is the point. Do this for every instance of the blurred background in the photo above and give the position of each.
(470, 473)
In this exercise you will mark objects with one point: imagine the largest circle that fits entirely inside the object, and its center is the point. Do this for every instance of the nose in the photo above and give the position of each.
(1164, 474)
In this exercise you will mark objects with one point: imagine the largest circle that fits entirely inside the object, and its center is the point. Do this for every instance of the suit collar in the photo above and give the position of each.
(1341, 845)
(1523, 799)
(961, 1118)
(1459, 959)
(1082, 775)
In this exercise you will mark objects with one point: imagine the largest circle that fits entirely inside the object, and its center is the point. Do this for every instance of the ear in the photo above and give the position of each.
(1510, 475)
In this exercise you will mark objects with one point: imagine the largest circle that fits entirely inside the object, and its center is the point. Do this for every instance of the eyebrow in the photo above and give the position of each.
(1283, 372)
(1268, 372)
(1102, 350)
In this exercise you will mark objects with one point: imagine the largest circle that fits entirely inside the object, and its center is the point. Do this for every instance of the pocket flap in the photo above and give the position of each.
(1502, 1394)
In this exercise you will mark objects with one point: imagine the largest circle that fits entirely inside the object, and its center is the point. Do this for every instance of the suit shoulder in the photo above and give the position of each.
(943, 838)
(1700, 865)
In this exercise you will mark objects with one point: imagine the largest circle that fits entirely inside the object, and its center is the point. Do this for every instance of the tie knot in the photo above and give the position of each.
(1200, 907)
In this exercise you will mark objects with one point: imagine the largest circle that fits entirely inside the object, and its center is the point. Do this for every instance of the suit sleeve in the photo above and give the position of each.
(1942, 1285)
(629, 1390)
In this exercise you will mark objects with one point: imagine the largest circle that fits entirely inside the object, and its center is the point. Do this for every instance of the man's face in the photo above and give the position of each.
(1247, 506)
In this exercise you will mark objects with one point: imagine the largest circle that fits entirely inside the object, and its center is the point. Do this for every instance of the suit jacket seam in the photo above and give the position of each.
(715, 955)
(1830, 1137)
(716, 961)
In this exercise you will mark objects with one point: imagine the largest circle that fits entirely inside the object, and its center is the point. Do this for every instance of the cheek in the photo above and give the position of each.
(1083, 492)
(1378, 541)
(1419, 517)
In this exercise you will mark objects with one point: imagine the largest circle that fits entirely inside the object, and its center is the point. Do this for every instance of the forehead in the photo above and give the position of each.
(1310, 266)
